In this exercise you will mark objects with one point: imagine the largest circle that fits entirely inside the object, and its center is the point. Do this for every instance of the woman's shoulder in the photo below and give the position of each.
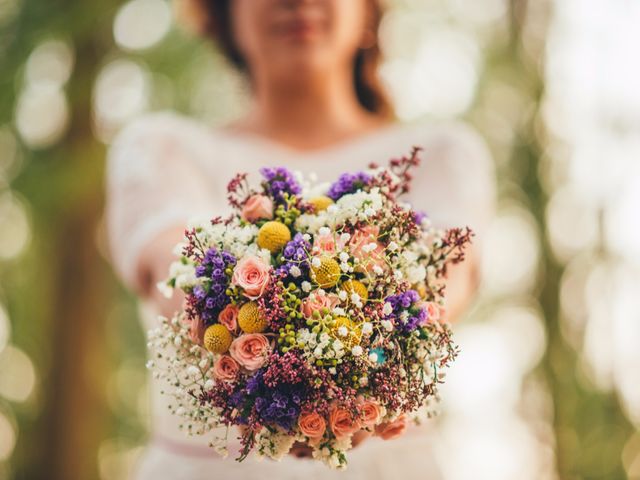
(453, 137)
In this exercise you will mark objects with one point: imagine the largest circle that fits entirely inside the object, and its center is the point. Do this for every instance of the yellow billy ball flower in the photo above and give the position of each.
(250, 319)
(217, 338)
(348, 332)
(320, 203)
(273, 236)
(327, 273)
(354, 286)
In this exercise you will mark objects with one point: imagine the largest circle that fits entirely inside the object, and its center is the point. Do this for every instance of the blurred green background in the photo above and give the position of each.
(548, 384)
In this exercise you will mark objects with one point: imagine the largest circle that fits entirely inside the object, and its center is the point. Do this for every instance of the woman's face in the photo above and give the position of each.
(280, 38)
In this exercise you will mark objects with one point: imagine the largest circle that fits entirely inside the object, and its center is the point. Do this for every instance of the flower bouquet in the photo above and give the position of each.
(313, 312)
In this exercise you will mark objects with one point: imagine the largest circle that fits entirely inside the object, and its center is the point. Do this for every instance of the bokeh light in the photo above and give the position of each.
(121, 91)
(5, 328)
(140, 24)
(16, 232)
(7, 438)
(42, 115)
(511, 252)
(17, 374)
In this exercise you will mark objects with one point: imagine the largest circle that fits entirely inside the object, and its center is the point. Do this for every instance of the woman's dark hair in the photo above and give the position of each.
(368, 87)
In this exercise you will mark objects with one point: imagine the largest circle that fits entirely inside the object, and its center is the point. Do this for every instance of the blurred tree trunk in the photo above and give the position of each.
(582, 419)
(65, 186)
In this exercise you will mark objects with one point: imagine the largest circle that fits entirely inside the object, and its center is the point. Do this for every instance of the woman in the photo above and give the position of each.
(318, 107)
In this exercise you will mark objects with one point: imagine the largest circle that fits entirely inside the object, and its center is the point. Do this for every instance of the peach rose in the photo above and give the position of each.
(316, 302)
(370, 413)
(312, 425)
(196, 330)
(433, 311)
(343, 423)
(250, 350)
(325, 243)
(388, 431)
(258, 207)
(252, 275)
(360, 239)
(229, 317)
(226, 368)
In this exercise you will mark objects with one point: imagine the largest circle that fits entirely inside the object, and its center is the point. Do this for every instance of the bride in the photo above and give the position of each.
(318, 107)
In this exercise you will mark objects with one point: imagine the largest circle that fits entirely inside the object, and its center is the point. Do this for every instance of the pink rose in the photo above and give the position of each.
(257, 207)
(250, 350)
(229, 317)
(362, 238)
(370, 413)
(343, 423)
(252, 275)
(226, 368)
(324, 243)
(433, 311)
(388, 431)
(196, 330)
(316, 302)
(312, 425)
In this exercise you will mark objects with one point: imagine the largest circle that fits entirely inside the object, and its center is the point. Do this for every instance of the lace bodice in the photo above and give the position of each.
(164, 168)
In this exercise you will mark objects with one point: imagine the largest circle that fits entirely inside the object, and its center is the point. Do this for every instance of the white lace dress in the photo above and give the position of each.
(164, 168)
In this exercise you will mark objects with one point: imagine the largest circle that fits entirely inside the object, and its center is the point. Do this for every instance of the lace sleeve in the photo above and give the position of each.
(455, 184)
(153, 183)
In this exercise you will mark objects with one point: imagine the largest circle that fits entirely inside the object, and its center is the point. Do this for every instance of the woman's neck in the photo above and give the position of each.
(308, 113)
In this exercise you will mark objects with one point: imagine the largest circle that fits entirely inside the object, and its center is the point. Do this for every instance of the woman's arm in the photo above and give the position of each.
(153, 267)
(461, 284)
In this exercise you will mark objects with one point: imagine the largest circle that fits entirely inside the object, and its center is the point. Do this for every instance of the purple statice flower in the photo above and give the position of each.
(279, 405)
(348, 183)
(406, 313)
(211, 296)
(419, 216)
(278, 182)
(295, 254)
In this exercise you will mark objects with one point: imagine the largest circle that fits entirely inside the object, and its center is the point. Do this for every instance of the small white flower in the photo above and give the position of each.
(387, 308)
(306, 237)
(316, 262)
(332, 370)
(317, 352)
(377, 269)
(324, 231)
(367, 328)
(295, 271)
(338, 345)
(342, 295)
(373, 356)
(306, 286)
(356, 351)
(344, 256)
(342, 331)
(364, 381)
(355, 297)
(344, 267)
(345, 237)
(387, 325)
(165, 289)
(393, 246)
(369, 212)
